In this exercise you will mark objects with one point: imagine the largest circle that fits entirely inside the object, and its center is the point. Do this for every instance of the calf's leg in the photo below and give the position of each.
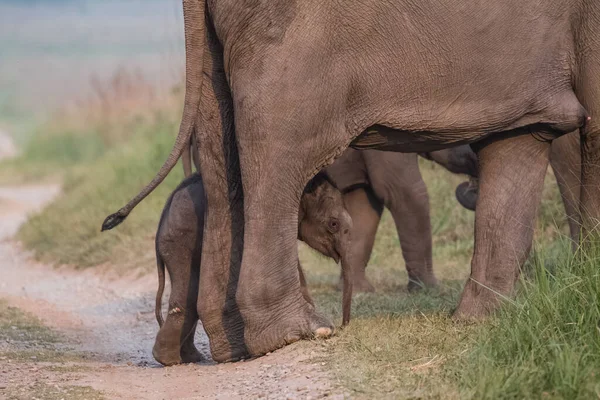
(175, 340)
(365, 210)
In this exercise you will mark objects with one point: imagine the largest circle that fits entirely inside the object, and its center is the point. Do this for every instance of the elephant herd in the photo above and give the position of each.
(278, 90)
(339, 214)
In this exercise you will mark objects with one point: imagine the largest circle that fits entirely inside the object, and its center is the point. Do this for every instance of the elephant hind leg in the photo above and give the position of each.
(181, 247)
(397, 181)
(511, 181)
(588, 92)
(275, 171)
(174, 342)
(565, 159)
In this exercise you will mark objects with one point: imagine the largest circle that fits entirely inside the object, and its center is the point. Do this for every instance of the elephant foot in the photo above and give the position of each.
(168, 349)
(259, 339)
(166, 354)
(466, 194)
(477, 302)
(169, 355)
(418, 284)
(317, 327)
(321, 327)
(191, 355)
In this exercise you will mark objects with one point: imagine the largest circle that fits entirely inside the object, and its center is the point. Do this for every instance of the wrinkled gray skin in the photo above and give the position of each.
(324, 224)
(305, 80)
(565, 160)
(372, 179)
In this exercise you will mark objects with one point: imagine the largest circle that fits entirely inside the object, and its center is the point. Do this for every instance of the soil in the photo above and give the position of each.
(110, 320)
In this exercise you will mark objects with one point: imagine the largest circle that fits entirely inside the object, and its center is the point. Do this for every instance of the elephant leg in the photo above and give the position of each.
(175, 340)
(588, 93)
(512, 170)
(304, 286)
(279, 152)
(270, 294)
(224, 219)
(565, 159)
(396, 179)
(365, 210)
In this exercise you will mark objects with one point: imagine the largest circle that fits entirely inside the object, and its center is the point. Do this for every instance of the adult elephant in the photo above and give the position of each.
(372, 179)
(305, 80)
(565, 160)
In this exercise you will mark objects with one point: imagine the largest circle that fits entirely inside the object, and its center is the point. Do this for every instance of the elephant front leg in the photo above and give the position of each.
(365, 210)
(271, 299)
(512, 170)
(588, 92)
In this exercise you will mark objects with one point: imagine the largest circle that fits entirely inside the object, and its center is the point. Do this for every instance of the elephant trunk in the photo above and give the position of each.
(344, 249)
(347, 290)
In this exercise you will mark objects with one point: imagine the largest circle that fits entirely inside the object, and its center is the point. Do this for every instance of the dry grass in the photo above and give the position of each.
(122, 108)
(116, 106)
(402, 345)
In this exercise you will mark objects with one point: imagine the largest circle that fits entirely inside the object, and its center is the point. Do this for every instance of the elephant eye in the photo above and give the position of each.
(333, 225)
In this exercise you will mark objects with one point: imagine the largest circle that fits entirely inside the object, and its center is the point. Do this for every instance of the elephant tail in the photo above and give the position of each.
(160, 264)
(186, 159)
(194, 21)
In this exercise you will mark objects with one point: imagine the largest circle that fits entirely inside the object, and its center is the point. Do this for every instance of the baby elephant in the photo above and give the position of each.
(323, 223)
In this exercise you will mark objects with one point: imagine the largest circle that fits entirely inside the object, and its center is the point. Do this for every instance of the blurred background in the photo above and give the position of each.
(56, 53)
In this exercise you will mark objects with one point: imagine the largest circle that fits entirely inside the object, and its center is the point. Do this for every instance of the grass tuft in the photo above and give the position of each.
(68, 231)
(546, 343)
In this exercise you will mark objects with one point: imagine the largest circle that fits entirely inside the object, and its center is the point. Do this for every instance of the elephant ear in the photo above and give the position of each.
(466, 194)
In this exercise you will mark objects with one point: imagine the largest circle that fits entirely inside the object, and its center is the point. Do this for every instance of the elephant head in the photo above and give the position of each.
(326, 226)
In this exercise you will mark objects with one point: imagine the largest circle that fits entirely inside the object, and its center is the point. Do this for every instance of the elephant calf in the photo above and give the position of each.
(323, 223)
(372, 179)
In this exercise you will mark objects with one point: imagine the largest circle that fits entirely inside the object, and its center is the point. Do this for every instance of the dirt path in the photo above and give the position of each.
(112, 322)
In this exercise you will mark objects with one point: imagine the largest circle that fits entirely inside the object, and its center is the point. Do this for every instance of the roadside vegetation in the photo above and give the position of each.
(26, 344)
(544, 343)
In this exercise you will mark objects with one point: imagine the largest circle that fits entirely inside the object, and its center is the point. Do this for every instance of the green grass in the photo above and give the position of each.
(543, 344)
(68, 231)
(402, 345)
(546, 343)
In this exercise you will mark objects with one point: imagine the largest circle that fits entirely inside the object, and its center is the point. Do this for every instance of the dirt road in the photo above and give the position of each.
(110, 320)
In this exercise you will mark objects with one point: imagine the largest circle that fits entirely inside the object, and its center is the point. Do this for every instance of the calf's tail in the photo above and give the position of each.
(160, 264)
